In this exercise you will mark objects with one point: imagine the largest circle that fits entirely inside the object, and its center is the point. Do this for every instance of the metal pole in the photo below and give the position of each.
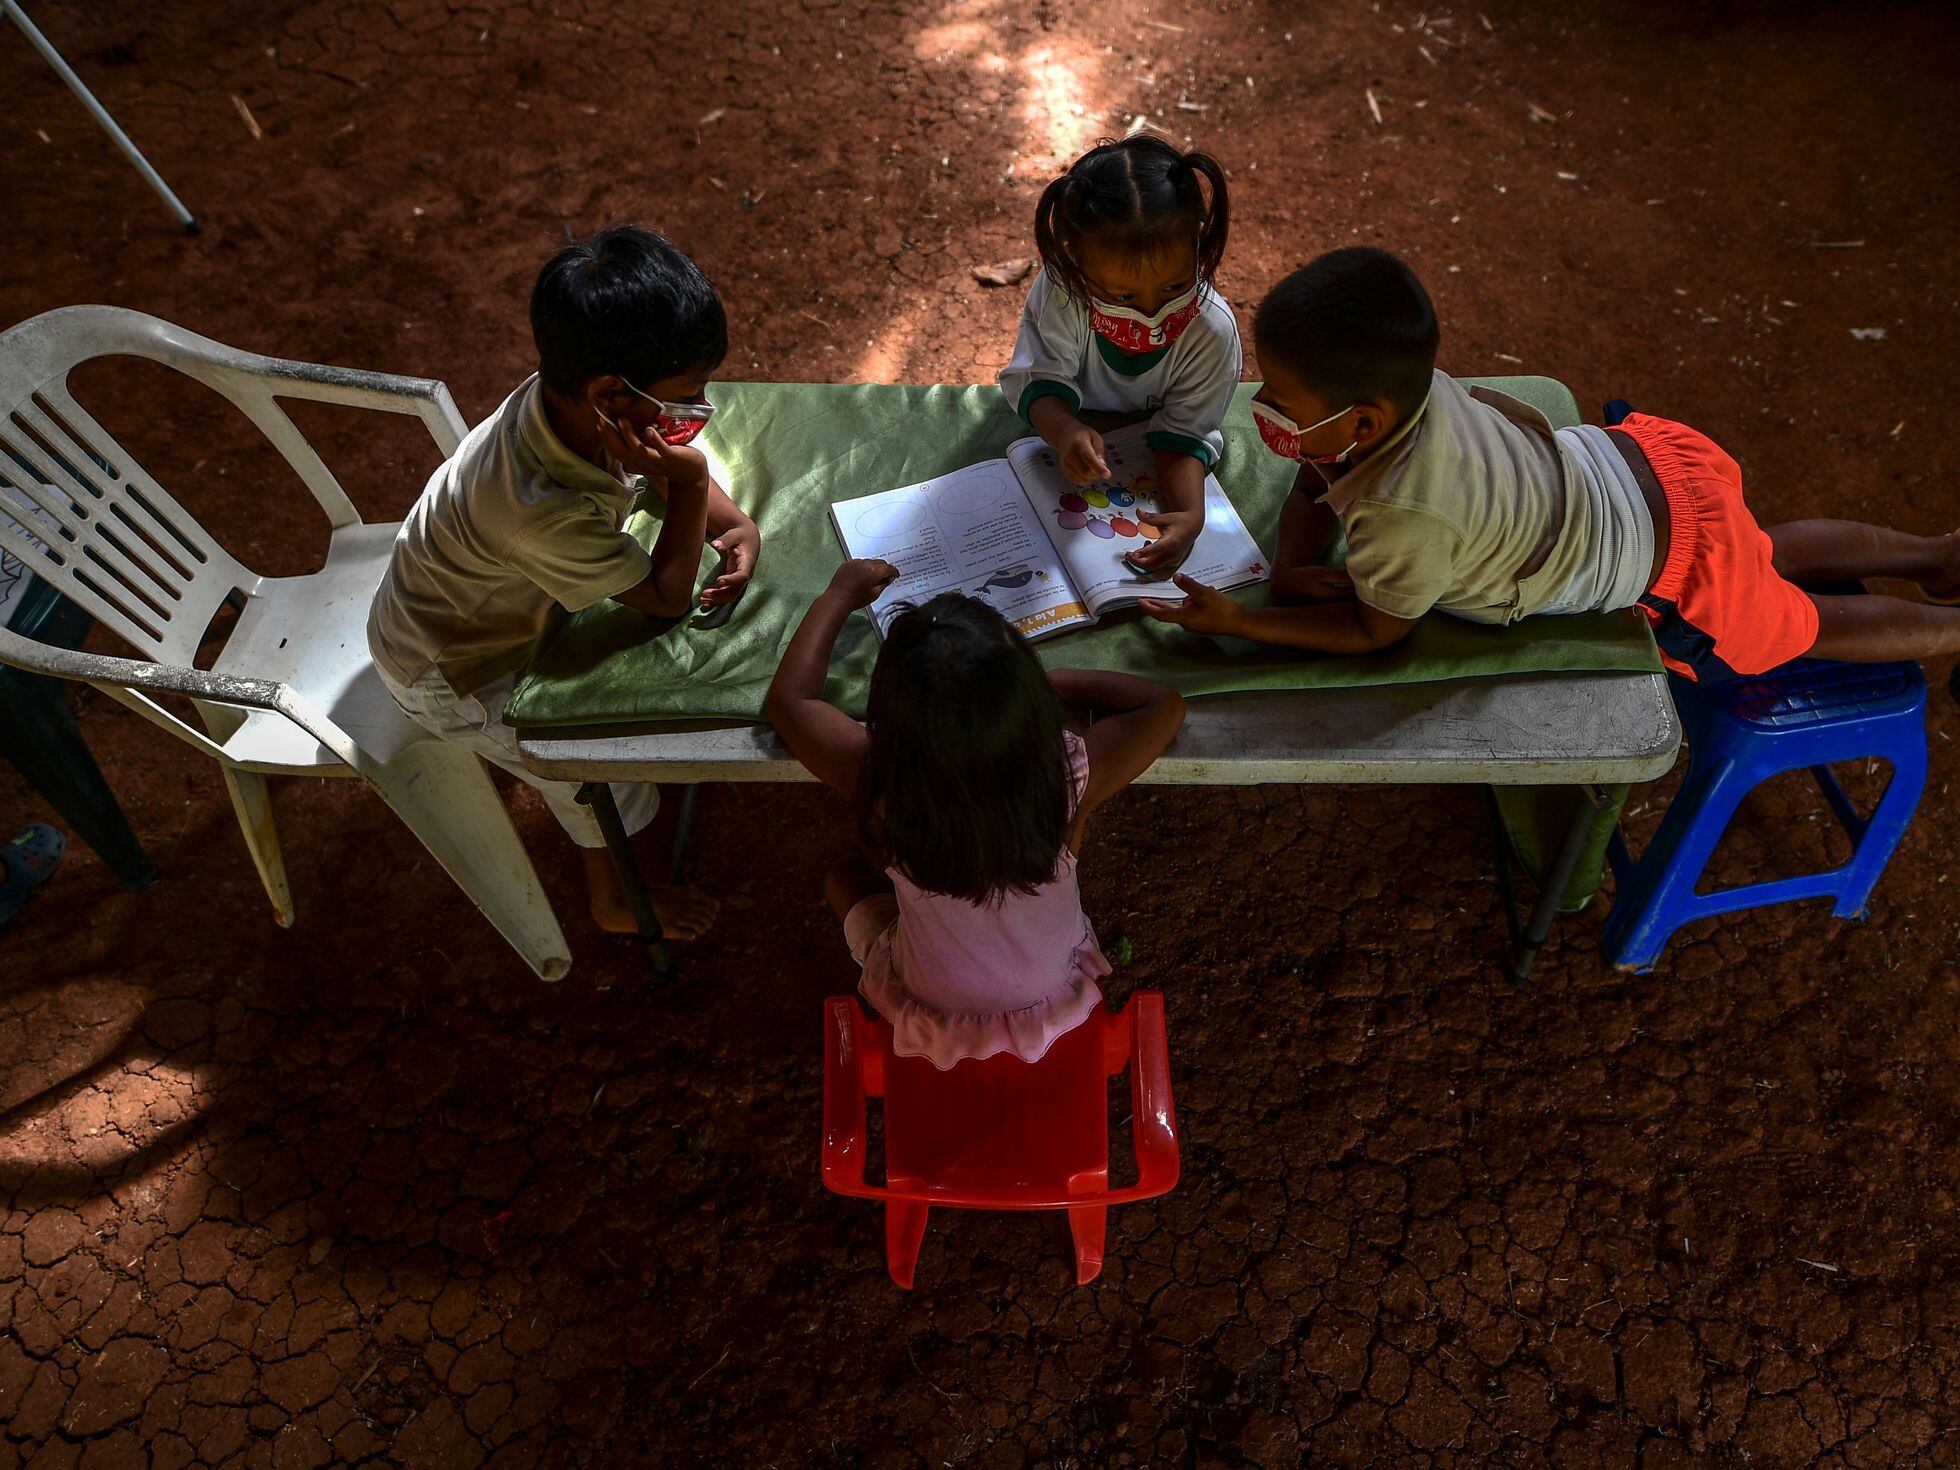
(100, 114)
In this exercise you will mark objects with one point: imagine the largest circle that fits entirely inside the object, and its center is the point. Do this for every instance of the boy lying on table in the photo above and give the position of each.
(1468, 501)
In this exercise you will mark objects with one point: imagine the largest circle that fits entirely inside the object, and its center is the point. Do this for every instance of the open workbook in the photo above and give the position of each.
(1045, 553)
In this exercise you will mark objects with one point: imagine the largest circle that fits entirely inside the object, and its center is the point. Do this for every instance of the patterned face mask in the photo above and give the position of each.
(1283, 436)
(1129, 330)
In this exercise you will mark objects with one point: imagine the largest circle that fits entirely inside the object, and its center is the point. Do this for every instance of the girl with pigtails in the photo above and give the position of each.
(1123, 317)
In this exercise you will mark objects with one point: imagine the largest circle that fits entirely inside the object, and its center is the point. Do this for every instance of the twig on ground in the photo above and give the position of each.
(717, 1363)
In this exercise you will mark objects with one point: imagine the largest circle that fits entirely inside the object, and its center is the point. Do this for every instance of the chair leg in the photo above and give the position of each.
(445, 796)
(253, 803)
(39, 737)
(1089, 1225)
(1887, 825)
(905, 1227)
(1658, 897)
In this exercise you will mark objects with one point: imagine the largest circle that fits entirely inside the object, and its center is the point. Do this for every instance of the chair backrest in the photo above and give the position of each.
(1001, 1130)
(79, 511)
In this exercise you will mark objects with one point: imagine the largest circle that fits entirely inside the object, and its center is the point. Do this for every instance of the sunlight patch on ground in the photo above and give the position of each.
(97, 1128)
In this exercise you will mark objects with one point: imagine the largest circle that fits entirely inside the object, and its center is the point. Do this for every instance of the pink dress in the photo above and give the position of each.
(958, 979)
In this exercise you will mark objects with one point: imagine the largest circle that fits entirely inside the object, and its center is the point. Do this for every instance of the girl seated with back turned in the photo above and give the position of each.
(974, 799)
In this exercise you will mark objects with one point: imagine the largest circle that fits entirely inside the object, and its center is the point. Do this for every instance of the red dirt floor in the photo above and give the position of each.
(363, 1191)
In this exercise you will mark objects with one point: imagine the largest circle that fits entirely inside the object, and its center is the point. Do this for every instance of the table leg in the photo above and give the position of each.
(598, 795)
(683, 829)
(1507, 886)
(1525, 945)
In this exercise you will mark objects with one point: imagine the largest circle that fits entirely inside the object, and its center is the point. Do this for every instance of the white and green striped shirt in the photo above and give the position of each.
(1185, 386)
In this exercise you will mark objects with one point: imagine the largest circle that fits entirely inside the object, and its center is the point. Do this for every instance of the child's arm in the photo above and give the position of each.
(680, 476)
(1307, 526)
(1180, 513)
(1349, 626)
(1076, 445)
(1186, 435)
(830, 744)
(1136, 720)
(734, 535)
(1040, 379)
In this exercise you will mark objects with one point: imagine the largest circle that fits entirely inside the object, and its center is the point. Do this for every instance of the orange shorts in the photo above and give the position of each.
(1719, 608)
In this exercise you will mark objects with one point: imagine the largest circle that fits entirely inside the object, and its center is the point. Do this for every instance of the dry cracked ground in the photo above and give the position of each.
(362, 1192)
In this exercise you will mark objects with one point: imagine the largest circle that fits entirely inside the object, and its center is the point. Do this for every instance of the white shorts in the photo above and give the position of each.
(476, 722)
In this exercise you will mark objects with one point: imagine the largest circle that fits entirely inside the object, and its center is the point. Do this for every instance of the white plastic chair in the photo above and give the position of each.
(293, 692)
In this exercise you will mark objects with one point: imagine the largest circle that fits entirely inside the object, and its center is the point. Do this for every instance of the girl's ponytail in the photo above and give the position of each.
(1217, 220)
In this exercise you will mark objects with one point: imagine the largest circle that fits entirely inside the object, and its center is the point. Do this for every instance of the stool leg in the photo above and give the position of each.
(1886, 826)
(1658, 896)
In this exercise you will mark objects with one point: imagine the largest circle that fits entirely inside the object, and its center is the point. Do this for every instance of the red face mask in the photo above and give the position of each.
(1131, 331)
(677, 423)
(1282, 435)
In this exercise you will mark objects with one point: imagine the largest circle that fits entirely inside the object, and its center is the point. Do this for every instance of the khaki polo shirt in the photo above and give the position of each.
(510, 530)
(1469, 506)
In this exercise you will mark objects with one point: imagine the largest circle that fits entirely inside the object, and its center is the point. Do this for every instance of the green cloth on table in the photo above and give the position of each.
(792, 449)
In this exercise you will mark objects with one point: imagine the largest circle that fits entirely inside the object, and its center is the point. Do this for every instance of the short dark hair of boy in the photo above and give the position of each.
(1139, 195)
(627, 302)
(965, 789)
(1353, 324)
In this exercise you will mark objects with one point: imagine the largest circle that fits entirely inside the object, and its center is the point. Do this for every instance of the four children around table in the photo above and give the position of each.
(975, 771)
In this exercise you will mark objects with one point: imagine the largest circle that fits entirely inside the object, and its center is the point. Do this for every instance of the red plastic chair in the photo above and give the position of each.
(999, 1134)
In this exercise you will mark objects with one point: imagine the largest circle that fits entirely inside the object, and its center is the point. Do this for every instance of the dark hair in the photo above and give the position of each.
(1140, 196)
(627, 301)
(1353, 324)
(966, 787)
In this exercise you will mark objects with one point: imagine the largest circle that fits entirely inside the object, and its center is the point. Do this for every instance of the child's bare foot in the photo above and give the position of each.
(684, 913)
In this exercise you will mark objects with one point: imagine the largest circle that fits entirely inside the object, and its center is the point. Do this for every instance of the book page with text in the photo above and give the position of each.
(970, 531)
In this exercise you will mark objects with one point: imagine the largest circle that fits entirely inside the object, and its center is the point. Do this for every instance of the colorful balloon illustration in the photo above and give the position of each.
(1096, 498)
(1071, 520)
(1074, 502)
(1148, 531)
(1118, 495)
(1101, 530)
(1123, 525)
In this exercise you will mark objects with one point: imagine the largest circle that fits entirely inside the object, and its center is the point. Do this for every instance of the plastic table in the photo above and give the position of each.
(1587, 731)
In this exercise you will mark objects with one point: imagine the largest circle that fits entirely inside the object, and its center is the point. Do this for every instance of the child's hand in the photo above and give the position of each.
(860, 580)
(667, 467)
(739, 546)
(1204, 609)
(1180, 531)
(1080, 450)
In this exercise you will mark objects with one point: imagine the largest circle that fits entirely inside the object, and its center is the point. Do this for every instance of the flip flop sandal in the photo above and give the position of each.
(26, 863)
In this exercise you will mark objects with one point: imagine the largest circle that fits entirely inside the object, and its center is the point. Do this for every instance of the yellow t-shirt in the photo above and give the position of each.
(1469, 506)
(512, 528)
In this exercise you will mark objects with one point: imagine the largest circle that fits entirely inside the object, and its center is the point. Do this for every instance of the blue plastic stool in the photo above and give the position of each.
(1810, 712)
